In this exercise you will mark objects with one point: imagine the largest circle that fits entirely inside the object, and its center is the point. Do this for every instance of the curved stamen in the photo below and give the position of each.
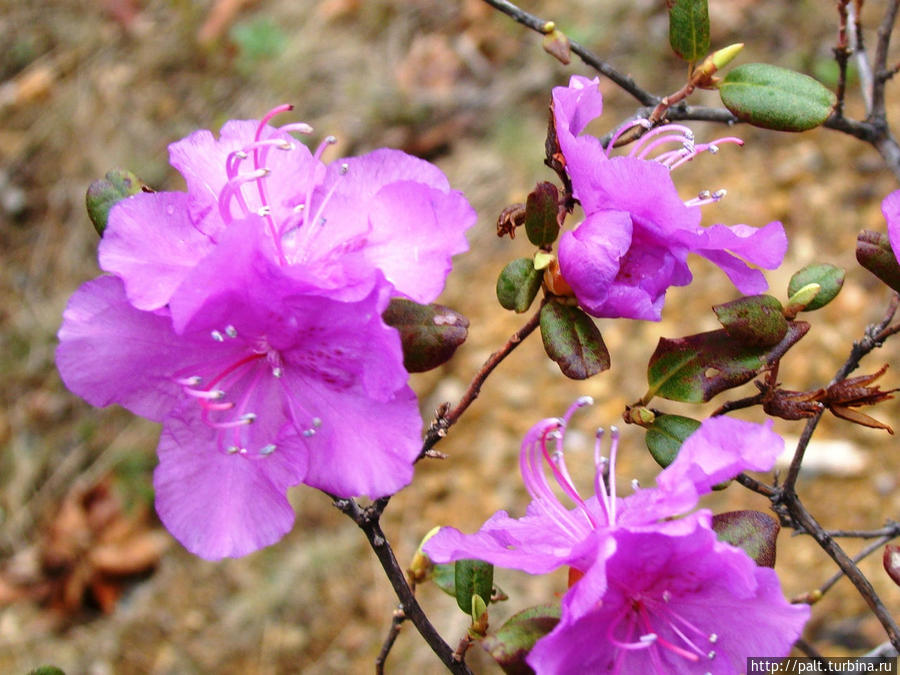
(682, 134)
(687, 146)
(628, 126)
(232, 190)
(531, 465)
(613, 451)
(600, 464)
(296, 127)
(706, 197)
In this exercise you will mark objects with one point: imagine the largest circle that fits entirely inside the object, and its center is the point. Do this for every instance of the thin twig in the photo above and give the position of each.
(879, 64)
(891, 531)
(368, 520)
(444, 421)
(540, 26)
(396, 624)
(805, 520)
(842, 56)
(868, 550)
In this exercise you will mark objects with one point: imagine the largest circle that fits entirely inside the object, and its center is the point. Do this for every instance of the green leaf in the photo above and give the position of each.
(752, 531)
(697, 367)
(829, 277)
(666, 434)
(106, 192)
(429, 333)
(472, 577)
(541, 214)
(776, 98)
(689, 28)
(874, 252)
(518, 285)
(514, 639)
(444, 577)
(754, 320)
(46, 670)
(573, 341)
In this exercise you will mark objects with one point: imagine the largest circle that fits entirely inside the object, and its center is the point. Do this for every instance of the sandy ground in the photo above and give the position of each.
(87, 86)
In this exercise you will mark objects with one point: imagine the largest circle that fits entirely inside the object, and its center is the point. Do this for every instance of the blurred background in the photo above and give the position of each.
(88, 579)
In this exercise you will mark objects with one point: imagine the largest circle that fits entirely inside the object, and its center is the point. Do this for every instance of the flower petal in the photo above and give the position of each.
(152, 246)
(533, 544)
(719, 450)
(110, 352)
(363, 446)
(890, 208)
(590, 256)
(218, 504)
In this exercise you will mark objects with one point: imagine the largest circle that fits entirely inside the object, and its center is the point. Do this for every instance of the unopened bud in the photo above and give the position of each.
(724, 56)
(801, 299)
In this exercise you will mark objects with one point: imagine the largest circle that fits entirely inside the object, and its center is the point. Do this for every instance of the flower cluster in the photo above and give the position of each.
(245, 315)
(653, 583)
(637, 232)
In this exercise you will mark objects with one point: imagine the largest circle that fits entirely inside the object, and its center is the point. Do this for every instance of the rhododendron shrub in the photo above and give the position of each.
(266, 317)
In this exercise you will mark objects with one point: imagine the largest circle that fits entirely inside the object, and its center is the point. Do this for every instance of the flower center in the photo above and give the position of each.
(230, 387)
(649, 622)
(278, 224)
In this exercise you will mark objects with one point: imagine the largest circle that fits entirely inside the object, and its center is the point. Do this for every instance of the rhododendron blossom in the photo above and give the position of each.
(267, 386)
(670, 605)
(340, 226)
(637, 232)
(245, 316)
(595, 539)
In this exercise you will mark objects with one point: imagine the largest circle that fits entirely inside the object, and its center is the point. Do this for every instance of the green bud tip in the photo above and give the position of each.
(433, 531)
(724, 56)
(803, 296)
(542, 260)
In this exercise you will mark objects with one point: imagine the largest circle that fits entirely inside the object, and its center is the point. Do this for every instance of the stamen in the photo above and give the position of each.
(329, 140)
(601, 464)
(231, 331)
(277, 371)
(640, 122)
(297, 127)
(267, 449)
(531, 466)
(232, 190)
(208, 394)
(217, 336)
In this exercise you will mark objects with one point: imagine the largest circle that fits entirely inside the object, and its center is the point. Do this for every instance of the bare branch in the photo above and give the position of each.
(540, 26)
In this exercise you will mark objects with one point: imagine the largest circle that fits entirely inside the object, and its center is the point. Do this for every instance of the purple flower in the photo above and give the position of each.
(656, 583)
(267, 384)
(670, 605)
(245, 316)
(341, 226)
(551, 535)
(637, 232)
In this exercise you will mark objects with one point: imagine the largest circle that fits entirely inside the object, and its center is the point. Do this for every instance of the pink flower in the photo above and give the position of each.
(245, 316)
(637, 232)
(268, 385)
(658, 589)
(340, 226)
(670, 605)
